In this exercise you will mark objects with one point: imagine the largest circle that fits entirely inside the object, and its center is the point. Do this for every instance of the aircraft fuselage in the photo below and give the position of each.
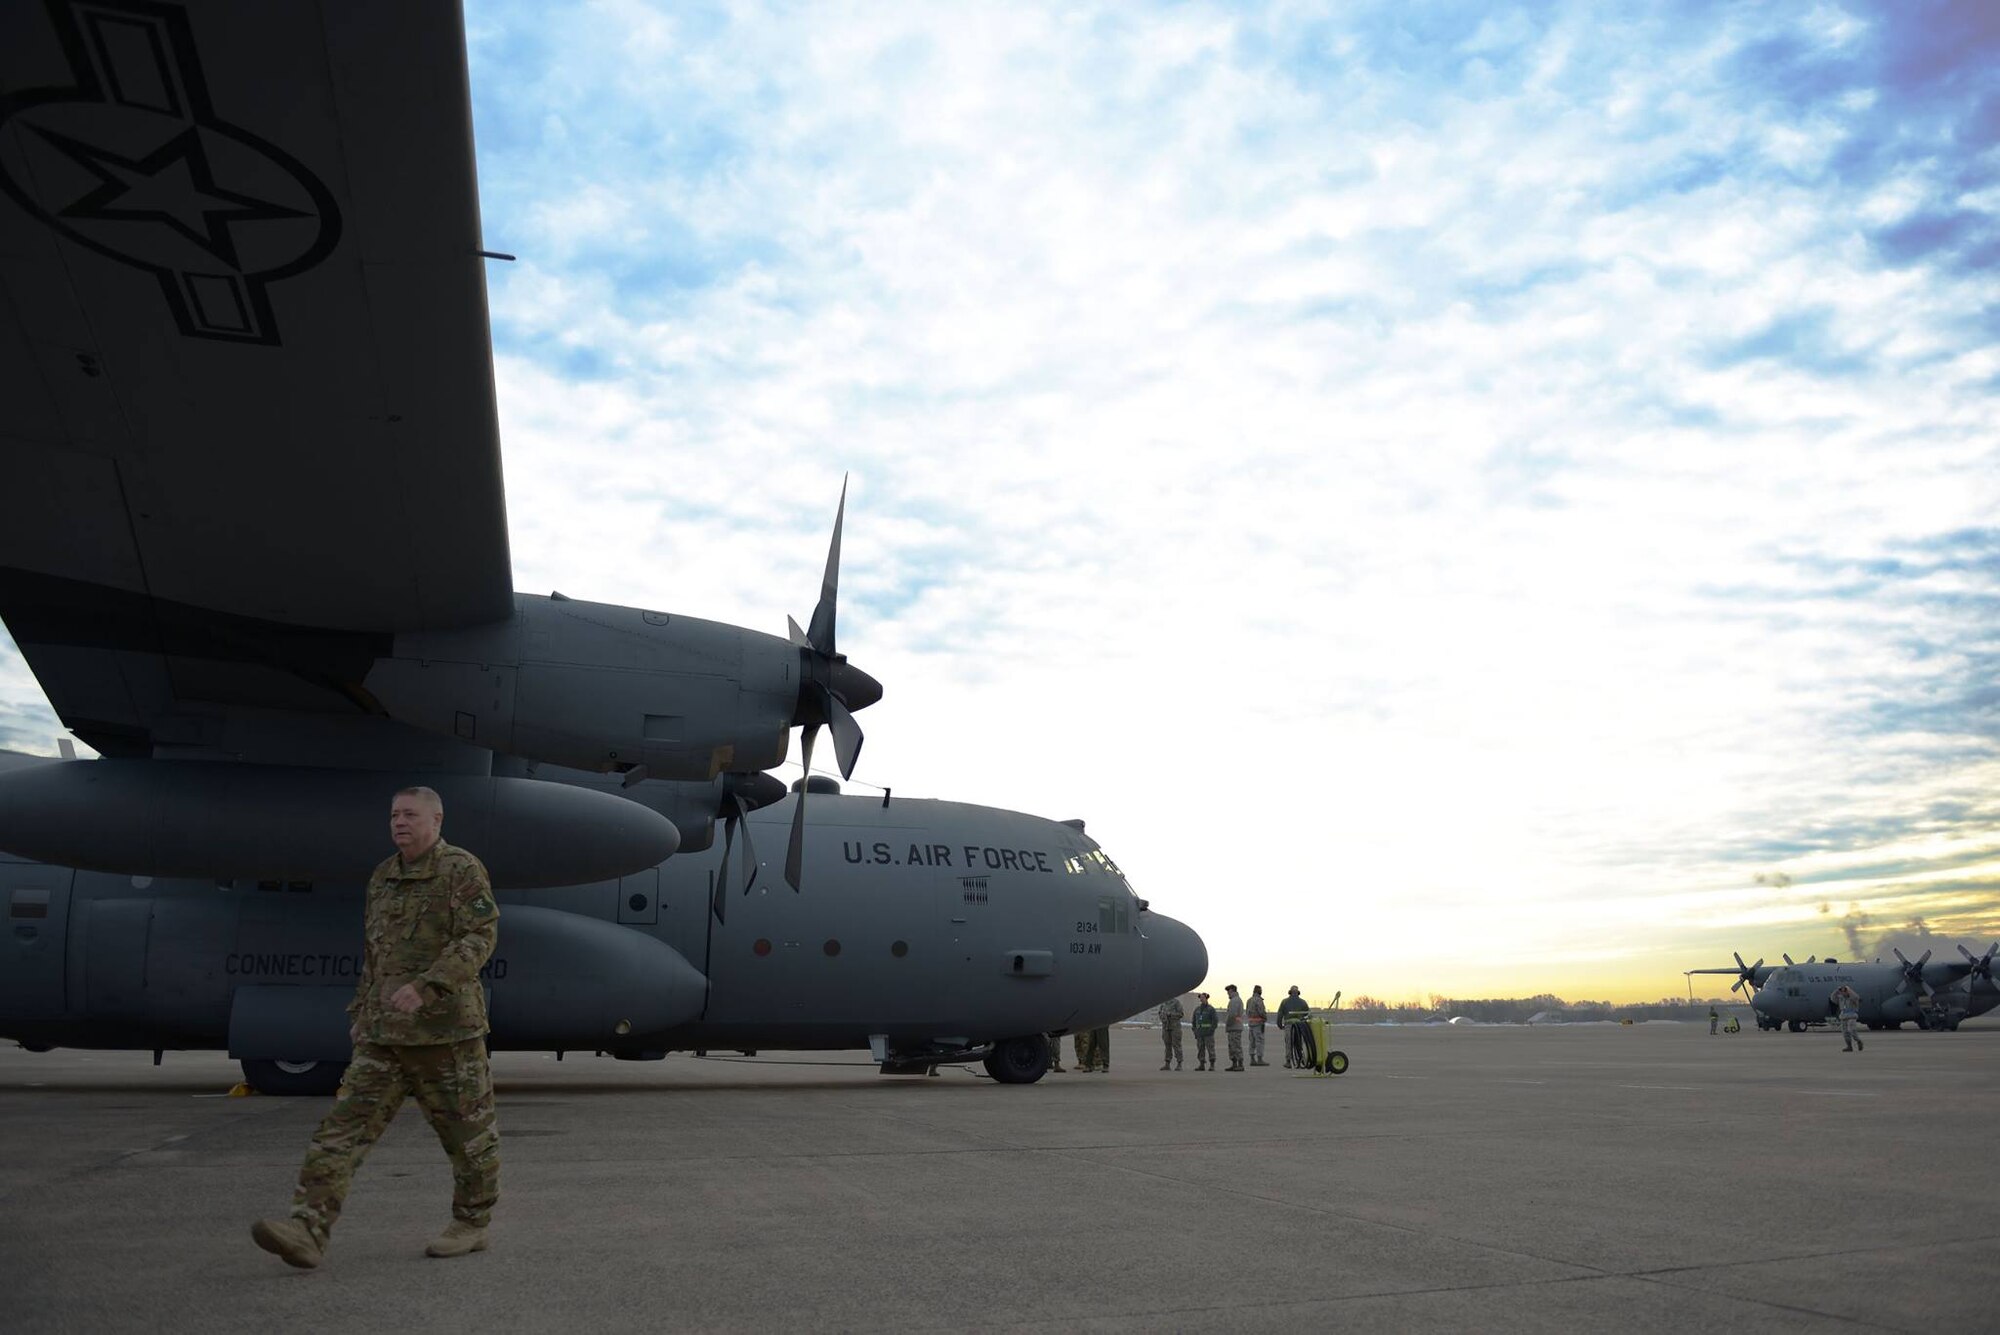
(1803, 993)
(923, 928)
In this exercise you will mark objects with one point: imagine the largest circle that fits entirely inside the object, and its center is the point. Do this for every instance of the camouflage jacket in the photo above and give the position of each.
(1254, 1012)
(1233, 1017)
(432, 923)
(1204, 1018)
(1171, 1013)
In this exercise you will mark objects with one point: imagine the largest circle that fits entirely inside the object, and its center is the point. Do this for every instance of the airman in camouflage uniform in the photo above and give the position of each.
(1204, 1033)
(1086, 1049)
(419, 1030)
(1293, 1016)
(1171, 1015)
(1055, 1053)
(1232, 1025)
(1254, 1019)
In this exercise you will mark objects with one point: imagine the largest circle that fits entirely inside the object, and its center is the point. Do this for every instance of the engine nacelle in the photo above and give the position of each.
(219, 820)
(599, 687)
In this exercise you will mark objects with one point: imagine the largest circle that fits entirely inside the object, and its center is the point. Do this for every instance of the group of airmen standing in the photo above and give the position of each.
(1239, 1019)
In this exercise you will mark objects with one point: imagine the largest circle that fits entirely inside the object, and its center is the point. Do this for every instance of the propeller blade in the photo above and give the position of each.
(795, 854)
(846, 735)
(1981, 965)
(749, 853)
(722, 872)
(798, 636)
(821, 633)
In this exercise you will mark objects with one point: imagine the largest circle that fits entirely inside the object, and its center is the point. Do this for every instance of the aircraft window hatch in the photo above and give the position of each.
(29, 904)
(1107, 914)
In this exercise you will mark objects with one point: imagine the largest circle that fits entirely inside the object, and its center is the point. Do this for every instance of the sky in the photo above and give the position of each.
(1462, 499)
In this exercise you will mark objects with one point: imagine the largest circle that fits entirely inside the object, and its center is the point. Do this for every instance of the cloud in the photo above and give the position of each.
(1522, 439)
(1449, 475)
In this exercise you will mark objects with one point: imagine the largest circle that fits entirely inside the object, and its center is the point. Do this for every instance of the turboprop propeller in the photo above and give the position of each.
(1914, 973)
(741, 795)
(830, 690)
(1749, 977)
(1982, 965)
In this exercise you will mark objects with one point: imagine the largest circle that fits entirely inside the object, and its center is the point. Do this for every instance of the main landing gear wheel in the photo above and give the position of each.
(293, 1078)
(1336, 1063)
(1019, 1061)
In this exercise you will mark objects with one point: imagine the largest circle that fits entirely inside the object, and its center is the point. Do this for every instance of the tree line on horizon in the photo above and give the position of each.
(1519, 1010)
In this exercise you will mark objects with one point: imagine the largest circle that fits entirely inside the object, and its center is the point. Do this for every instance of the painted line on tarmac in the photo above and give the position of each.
(1657, 1086)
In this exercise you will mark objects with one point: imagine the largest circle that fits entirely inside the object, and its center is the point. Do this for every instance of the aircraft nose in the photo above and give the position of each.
(1176, 959)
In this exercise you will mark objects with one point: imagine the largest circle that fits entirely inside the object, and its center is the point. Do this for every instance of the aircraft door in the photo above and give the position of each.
(32, 963)
(107, 959)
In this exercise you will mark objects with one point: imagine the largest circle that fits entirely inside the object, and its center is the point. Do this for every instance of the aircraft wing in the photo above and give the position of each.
(247, 417)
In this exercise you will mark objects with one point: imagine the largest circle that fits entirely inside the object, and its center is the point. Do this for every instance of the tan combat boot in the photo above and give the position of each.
(288, 1240)
(457, 1240)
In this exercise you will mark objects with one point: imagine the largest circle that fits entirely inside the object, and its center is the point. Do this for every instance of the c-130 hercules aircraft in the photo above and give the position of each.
(253, 546)
(1935, 996)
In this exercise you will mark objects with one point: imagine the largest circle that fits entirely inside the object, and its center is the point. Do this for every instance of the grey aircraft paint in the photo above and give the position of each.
(253, 546)
(1933, 995)
(929, 930)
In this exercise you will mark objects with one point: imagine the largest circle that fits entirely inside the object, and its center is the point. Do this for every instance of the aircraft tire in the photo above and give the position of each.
(293, 1079)
(1336, 1062)
(1019, 1061)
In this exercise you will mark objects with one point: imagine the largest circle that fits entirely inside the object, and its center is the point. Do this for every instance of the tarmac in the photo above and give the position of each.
(1567, 1178)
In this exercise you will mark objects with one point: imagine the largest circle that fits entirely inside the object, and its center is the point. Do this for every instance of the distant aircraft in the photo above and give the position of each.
(934, 931)
(1934, 996)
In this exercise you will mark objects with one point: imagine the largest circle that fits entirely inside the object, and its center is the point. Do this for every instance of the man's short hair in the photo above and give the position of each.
(428, 794)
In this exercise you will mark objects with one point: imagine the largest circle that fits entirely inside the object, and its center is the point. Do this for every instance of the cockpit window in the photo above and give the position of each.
(1115, 911)
(1093, 861)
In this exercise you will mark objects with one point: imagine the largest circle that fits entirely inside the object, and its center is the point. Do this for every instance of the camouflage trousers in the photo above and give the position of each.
(1170, 1036)
(1087, 1054)
(1204, 1047)
(1236, 1047)
(450, 1082)
(1257, 1043)
(1055, 1053)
